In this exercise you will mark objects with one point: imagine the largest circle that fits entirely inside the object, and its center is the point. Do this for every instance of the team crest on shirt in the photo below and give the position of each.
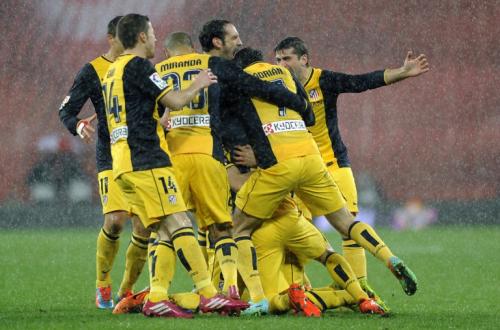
(313, 95)
(172, 199)
(156, 79)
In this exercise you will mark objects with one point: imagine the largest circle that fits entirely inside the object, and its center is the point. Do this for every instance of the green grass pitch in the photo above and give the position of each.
(47, 282)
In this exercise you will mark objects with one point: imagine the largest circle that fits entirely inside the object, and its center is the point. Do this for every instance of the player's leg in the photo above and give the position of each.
(108, 241)
(258, 198)
(135, 257)
(210, 187)
(322, 196)
(150, 203)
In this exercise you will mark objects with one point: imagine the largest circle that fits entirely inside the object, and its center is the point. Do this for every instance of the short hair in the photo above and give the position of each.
(212, 29)
(129, 28)
(298, 45)
(112, 26)
(246, 56)
(177, 39)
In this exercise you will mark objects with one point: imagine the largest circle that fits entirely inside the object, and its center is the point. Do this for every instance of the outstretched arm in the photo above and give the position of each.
(412, 67)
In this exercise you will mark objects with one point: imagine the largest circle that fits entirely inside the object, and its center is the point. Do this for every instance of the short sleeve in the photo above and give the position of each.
(147, 78)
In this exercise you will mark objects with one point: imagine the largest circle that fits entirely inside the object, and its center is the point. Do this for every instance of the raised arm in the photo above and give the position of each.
(412, 67)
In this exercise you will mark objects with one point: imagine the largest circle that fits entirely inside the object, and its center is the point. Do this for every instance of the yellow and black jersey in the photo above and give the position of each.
(275, 133)
(323, 88)
(198, 127)
(87, 85)
(131, 90)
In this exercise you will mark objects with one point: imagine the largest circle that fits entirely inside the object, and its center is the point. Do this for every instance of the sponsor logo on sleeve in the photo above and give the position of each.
(119, 133)
(156, 79)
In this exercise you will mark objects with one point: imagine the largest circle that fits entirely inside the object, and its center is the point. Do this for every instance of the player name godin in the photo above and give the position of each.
(182, 64)
(268, 73)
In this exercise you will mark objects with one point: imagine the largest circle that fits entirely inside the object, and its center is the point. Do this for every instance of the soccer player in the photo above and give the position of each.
(289, 160)
(288, 230)
(323, 88)
(132, 89)
(220, 38)
(87, 85)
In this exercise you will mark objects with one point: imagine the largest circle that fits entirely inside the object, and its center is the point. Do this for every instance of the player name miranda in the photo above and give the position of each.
(182, 64)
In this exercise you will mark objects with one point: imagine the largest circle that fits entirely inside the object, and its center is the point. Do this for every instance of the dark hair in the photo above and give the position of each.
(129, 28)
(112, 26)
(298, 45)
(212, 29)
(246, 56)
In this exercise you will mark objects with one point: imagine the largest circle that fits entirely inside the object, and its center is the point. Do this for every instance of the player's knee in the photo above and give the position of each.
(138, 228)
(324, 257)
(341, 220)
(114, 222)
(218, 230)
(176, 221)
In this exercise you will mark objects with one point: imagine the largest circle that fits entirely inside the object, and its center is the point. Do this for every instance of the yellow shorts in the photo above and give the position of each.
(344, 179)
(112, 198)
(305, 176)
(289, 232)
(204, 185)
(152, 194)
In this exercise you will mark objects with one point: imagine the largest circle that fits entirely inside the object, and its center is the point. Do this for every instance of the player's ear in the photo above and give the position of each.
(143, 37)
(217, 42)
(304, 59)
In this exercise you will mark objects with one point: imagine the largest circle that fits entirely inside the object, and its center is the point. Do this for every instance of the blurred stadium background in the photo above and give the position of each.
(436, 137)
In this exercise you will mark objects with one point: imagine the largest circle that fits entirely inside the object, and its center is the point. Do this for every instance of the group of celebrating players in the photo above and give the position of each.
(248, 150)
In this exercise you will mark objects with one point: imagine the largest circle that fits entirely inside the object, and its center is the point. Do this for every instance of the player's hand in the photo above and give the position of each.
(243, 155)
(165, 119)
(84, 128)
(414, 66)
(205, 78)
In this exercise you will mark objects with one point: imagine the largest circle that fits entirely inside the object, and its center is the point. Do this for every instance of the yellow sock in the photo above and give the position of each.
(355, 256)
(135, 259)
(292, 269)
(107, 247)
(279, 303)
(214, 270)
(247, 267)
(162, 271)
(342, 273)
(202, 242)
(366, 236)
(186, 300)
(227, 255)
(191, 258)
(328, 299)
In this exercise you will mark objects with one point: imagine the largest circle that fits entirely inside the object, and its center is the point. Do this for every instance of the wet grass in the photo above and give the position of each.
(47, 281)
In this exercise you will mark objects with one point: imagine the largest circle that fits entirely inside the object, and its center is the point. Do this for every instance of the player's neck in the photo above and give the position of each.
(112, 54)
(137, 51)
(305, 74)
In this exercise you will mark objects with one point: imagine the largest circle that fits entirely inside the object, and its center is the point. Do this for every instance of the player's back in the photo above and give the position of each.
(284, 128)
(132, 89)
(189, 128)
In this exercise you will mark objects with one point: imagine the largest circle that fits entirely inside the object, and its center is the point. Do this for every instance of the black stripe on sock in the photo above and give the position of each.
(140, 239)
(366, 235)
(318, 298)
(183, 260)
(254, 258)
(237, 239)
(352, 245)
(226, 248)
(110, 237)
(166, 243)
(139, 246)
(350, 228)
(341, 273)
(176, 236)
